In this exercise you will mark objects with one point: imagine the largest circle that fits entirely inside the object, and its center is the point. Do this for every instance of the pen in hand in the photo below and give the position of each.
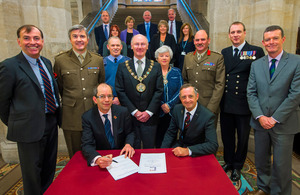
(112, 159)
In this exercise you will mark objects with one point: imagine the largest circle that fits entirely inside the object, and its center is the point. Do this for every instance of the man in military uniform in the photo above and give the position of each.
(78, 72)
(205, 70)
(235, 114)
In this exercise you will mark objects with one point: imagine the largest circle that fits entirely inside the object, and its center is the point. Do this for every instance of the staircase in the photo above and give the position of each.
(137, 13)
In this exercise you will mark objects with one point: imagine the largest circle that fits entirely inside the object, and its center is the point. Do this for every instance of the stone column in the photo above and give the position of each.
(54, 19)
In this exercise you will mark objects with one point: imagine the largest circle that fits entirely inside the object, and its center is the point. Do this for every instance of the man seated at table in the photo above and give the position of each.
(106, 127)
(196, 124)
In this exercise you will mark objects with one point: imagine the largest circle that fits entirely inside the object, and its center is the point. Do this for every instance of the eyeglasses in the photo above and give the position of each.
(105, 96)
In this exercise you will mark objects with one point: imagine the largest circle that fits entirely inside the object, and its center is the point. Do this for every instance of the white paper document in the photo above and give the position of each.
(153, 163)
(123, 168)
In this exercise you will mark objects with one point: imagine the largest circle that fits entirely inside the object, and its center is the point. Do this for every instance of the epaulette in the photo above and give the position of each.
(215, 52)
(61, 52)
(95, 53)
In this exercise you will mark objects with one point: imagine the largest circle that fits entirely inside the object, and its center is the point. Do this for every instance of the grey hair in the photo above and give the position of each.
(77, 27)
(147, 11)
(164, 49)
(95, 89)
(113, 37)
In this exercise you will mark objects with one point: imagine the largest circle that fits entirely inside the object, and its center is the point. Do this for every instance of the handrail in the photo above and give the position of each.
(98, 16)
(191, 14)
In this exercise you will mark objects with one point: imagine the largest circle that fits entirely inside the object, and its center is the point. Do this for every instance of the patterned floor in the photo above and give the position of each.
(246, 184)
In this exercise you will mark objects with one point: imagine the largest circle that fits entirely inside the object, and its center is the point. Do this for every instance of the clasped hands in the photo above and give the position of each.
(105, 161)
(142, 116)
(266, 122)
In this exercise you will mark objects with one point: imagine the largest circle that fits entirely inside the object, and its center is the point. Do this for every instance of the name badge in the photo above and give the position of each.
(183, 53)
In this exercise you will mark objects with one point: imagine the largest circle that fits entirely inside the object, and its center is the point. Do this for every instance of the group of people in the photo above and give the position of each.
(122, 102)
(172, 33)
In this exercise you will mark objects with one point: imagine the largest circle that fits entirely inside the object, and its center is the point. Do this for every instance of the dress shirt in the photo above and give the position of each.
(143, 67)
(192, 112)
(173, 29)
(200, 55)
(277, 60)
(83, 54)
(35, 67)
(240, 47)
(108, 27)
(103, 120)
(112, 58)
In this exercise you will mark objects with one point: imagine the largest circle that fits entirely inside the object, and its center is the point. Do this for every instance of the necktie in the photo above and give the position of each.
(147, 31)
(116, 60)
(236, 52)
(108, 133)
(272, 67)
(50, 102)
(186, 123)
(171, 28)
(139, 69)
(81, 58)
(105, 31)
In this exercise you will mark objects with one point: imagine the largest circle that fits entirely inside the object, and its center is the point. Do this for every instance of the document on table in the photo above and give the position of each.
(123, 168)
(153, 163)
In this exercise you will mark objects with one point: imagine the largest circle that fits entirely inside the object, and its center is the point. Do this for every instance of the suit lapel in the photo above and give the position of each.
(25, 66)
(87, 59)
(99, 123)
(74, 58)
(115, 123)
(181, 118)
(282, 63)
(265, 67)
(233, 64)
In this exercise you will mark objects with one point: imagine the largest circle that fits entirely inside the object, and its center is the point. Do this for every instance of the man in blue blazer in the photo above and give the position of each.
(94, 125)
(139, 86)
(196, 124)
(235, 114)
(273, 93)
(102, 31)
(152, 27)
(29, 103)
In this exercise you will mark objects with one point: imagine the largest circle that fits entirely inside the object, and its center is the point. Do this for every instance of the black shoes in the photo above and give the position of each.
(235, 175)
(226, 167)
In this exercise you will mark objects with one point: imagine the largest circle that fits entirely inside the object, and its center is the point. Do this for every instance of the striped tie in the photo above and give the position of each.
(50, 102)
(107, 127)
(272, 68)
(187, 121)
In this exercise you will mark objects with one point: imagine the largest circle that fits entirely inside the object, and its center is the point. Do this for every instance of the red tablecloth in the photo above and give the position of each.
(187, 175)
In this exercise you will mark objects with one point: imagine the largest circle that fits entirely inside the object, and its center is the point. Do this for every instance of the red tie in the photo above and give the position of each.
(50, 102)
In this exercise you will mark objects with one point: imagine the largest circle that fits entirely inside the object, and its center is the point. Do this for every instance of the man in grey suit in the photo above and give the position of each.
(29, 106)
(196, 124)
(273, 94)
(105, 127)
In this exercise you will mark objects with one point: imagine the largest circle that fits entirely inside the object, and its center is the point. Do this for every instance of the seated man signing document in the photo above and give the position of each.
(196, 123)
(106, 127)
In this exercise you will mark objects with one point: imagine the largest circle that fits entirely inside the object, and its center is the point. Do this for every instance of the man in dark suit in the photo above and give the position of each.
(273, 94)
(139, 86)
(106, 127)
(78, 71)
(102, 31)
(196, 124)
(147, 28)
(174, 25)
(29, 105)
(235, 114)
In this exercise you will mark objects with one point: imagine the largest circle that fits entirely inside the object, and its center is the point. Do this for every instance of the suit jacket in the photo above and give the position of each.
(22, 101)
(100, 38)
(93, 134)
(153, 29)
(76, 82)
(278, 97)
(169, 41)
(200, 137)
(207, 75)
(236, 79)
(128, 95)
(124, 34)
(178, 26)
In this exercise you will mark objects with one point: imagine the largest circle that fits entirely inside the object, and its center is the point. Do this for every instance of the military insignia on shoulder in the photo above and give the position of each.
(61, 52)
